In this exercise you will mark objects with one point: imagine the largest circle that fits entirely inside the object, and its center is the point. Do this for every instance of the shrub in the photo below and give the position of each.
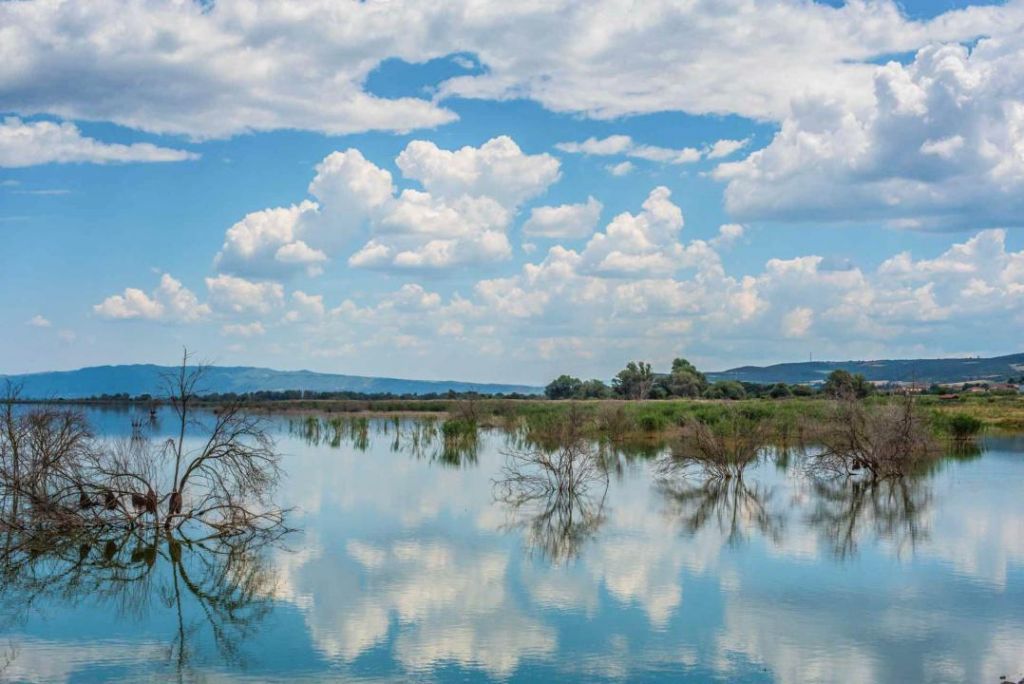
(962, 426)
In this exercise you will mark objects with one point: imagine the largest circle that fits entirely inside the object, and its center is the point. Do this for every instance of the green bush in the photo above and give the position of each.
(962, 426)
(652, 422)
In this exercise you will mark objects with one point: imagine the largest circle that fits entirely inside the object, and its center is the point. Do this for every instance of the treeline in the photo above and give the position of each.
(299, 395)
(683, 381)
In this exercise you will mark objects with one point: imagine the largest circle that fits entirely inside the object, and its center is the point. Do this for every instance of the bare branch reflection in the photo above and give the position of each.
(846, 510)
(556, 496)
(219, 588)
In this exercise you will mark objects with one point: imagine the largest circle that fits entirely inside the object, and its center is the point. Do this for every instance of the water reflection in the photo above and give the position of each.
(500, 568)
(847, 510)
(735, 506)
(217, 590)
(451, 442)
(555, 496)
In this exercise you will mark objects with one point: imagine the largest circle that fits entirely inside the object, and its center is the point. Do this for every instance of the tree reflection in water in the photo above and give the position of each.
(732, 504)
(556, 496)
(846, 510)
(452, 443)
(219, 588)
(701, 488)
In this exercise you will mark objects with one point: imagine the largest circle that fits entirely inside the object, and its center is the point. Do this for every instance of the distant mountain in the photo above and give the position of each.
(145, 379)
(894, 370)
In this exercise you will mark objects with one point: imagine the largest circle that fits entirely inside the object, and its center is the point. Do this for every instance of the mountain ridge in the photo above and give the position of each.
(136, 379)
(948, 370)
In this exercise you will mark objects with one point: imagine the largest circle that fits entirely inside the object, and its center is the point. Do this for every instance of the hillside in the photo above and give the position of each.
(895, 370)
(145, 379)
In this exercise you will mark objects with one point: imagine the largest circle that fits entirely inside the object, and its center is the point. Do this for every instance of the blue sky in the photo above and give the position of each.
(486, 194)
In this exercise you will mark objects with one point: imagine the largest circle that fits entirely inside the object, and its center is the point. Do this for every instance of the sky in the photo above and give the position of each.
(492, 191)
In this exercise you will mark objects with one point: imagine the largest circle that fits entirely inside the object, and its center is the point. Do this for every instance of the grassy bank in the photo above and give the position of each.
(995, 412)
(1002, 413)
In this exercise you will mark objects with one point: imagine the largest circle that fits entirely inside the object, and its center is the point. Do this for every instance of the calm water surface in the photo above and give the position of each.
(405, 566)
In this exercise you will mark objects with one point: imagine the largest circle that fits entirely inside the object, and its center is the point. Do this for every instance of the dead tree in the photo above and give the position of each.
(55, 474)
(226, 481)
(880, 441)
(556, 495)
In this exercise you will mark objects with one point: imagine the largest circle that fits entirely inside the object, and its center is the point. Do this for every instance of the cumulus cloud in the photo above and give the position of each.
(39, 321)
(796, 322)
(305, 307)
(497, 169)
(460, 217)
(620, 169)
(564, 221)
(723, 148)
(238, 295)
(28, 143)
(728, 233)
(210, 71)
(639, 242)
(623, 145)
(939, 144)
(170, 302)
(702, 57)
(264, 243)
(253, 329)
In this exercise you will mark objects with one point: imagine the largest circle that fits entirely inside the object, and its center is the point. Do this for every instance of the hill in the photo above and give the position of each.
(145, 379)
(894, 370)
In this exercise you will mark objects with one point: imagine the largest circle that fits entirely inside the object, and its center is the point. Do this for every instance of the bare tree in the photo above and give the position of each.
(218, 471)
(883, 441)
(556, 495)
(225, 481)
(720, 450)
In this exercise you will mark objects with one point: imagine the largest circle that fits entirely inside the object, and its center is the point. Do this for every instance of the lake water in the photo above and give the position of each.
(404, 565)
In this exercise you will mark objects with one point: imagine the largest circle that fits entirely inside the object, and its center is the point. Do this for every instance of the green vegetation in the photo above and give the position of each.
(638, 381)
(962, 426)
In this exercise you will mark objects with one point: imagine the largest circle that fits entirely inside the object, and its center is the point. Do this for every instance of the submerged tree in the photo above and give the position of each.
(882, 441)
(55, 475)
(702, 479)
(722, 448)
(224, 481)
(556, 495)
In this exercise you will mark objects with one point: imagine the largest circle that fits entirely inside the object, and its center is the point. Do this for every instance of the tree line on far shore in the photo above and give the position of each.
(684, 381)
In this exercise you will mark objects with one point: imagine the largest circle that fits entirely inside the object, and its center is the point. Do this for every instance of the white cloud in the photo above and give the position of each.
(623, 145)
(797, 322)
(620, 169)
(470, 197)
(39, 321)
(305, 307)
(253, 329)
(728, 233)
(701, 58)
(170, 301)
(238, 295)
(211, 71)
(564, 221)
(301, 254)
(644, 242)
(939, 144)
(28, 143)
(497, 169)
(265, 243)
(723, 148)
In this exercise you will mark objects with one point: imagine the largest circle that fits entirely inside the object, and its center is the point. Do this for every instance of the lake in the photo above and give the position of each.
(410, 561)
